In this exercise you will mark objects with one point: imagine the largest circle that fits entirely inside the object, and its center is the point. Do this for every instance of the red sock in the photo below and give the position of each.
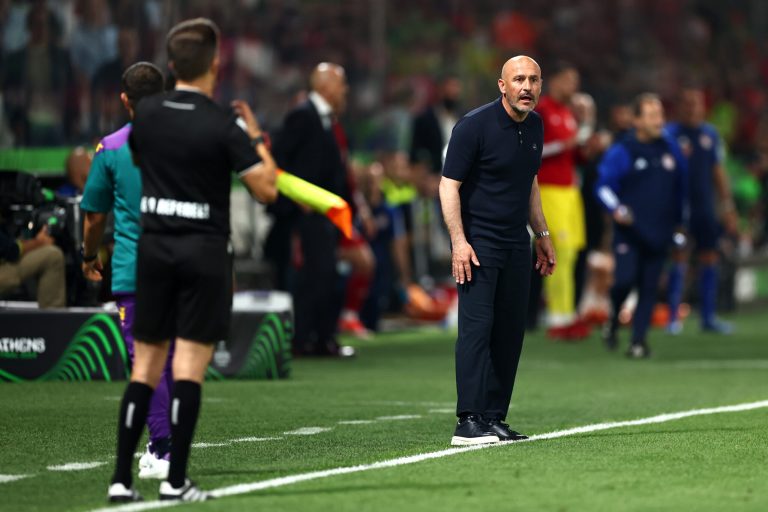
(357, 291)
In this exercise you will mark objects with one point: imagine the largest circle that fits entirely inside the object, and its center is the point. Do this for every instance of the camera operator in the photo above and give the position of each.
(38, 258)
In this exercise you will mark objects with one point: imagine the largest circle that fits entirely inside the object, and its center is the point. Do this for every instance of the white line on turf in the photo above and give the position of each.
(442, 411)
(76, 466)
(307, 431)
(210, 445)
(399, 417)
(255, 439)
(402, 461)
(11, 478)
(356, 422)
(725, 364)
(230, 442)
(402, 403)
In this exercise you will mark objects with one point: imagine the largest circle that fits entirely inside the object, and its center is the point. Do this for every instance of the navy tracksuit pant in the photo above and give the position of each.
(637, 266)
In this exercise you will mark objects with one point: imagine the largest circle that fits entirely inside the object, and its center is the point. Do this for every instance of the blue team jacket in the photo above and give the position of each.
(651, 179)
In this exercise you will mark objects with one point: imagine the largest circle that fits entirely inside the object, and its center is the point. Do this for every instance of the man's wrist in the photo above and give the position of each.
(87, 258)
(257, 139)
(541, 234)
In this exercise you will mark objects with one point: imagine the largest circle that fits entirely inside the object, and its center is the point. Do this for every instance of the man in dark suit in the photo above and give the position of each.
(309, 146)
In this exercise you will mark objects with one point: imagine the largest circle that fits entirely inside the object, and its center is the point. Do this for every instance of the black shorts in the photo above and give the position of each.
(183, 288)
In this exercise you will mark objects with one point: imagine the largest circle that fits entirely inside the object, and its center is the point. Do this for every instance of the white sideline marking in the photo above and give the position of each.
(11, 478)
(400, 417)
(356, 422)
(255, 439)
(442, 411)
(421, 404)
(307, 431)
(726, 364)
(402, 461)
(75, 466)
(230, 442)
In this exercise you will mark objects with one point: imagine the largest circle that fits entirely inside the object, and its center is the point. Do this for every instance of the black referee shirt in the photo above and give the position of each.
(187, 146)
(496, 159)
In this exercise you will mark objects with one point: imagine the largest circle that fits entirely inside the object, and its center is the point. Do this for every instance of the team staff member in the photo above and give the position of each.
(308, 146)
(186, 147)
(642, 183)
(489, 193)
(114, 184)
(703, 148)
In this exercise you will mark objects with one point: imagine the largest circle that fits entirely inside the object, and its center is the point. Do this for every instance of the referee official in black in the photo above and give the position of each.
(187, 148)
(489, 193)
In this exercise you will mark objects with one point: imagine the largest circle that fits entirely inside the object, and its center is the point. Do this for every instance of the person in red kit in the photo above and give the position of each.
(355, 253)
(561, 199)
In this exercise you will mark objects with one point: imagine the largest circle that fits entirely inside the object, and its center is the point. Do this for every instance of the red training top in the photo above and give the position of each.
(558, 165)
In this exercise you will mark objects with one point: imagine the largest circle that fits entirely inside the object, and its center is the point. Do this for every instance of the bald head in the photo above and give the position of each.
(520, 84)
(330, 81)
(516, 62)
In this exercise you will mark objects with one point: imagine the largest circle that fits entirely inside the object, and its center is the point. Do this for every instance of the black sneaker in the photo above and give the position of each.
(503, 432)
(187, 492)
(638, 351)
(472, 430)
(119, 493)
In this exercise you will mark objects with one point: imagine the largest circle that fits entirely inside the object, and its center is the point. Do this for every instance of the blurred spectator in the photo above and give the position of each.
(355, 252)
(38, 86)
(591, 292)
(38, 258)
(107, 114)
(389, 244)
(620, 122)
(94, 39)
(432, 127)
(76, 168)
(430, 136)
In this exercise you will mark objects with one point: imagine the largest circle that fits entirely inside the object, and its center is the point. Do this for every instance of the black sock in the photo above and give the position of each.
(185, 407)
(133, 416)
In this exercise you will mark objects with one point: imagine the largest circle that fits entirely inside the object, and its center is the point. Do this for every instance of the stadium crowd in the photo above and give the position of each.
(409, 75)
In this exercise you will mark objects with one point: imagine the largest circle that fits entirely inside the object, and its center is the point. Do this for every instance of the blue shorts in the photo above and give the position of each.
(706, 231)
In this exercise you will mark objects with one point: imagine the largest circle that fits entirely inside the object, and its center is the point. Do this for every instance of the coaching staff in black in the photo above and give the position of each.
(186, 147)
(489, 193)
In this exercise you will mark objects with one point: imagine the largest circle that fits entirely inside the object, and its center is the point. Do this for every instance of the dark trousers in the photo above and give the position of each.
(315, 312)
(492, 313)
(641, 267)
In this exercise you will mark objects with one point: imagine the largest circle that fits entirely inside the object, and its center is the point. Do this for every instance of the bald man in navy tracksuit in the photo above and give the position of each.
(642, 183)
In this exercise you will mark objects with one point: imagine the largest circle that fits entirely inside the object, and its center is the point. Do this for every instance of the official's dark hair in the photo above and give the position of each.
(642, 99)
(192, 47)
(140, 80)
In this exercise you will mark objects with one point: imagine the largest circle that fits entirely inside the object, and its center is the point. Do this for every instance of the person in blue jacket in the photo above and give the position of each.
(642, 183)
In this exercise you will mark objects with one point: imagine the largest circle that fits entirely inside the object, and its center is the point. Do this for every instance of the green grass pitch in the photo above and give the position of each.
(399, 396)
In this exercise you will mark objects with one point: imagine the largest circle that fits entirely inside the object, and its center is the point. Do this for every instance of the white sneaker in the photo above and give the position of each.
(151, 467)
(119, 493)
(187, 492)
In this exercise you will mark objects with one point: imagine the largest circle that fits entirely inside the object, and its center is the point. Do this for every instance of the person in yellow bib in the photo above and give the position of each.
(561, 200)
